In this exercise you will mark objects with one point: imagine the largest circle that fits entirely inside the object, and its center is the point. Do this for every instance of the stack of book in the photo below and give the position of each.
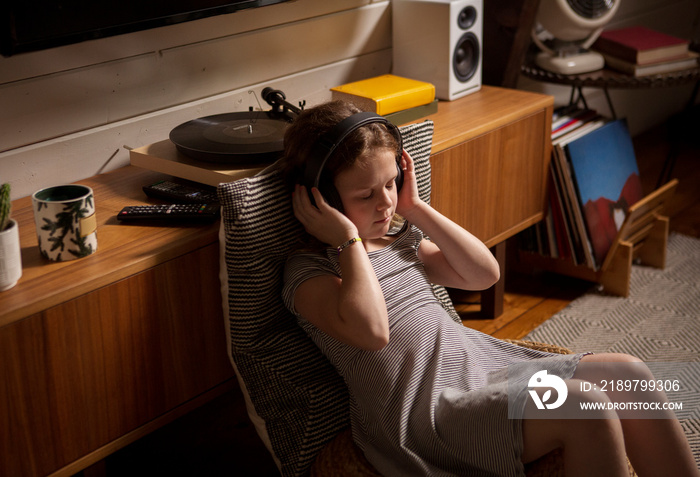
(397, 98)
(641, 51)
(593, 180)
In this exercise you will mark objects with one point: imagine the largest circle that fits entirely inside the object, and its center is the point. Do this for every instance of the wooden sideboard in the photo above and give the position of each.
(97, 352)
(490, 160)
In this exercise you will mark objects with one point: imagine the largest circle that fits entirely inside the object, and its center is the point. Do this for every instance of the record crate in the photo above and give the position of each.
(642, 237)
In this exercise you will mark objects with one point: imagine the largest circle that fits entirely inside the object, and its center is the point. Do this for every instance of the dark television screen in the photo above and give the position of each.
(37, 25)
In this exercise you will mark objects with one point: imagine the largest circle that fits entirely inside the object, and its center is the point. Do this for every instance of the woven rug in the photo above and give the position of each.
(659, 323)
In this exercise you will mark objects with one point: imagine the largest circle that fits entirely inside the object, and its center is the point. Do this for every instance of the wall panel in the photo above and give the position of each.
(79, 55)
(70, 101)
(67, 113)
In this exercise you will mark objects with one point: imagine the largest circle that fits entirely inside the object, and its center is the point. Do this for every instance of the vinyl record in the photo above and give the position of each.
(253, 137)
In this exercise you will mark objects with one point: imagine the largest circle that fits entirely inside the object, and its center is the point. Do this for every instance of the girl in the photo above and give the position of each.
(429, 396)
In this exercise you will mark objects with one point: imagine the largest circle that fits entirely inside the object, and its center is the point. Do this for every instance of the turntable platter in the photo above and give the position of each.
(252, 137)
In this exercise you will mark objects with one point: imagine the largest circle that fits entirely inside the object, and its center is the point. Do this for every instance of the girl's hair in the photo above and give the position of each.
(306, 129)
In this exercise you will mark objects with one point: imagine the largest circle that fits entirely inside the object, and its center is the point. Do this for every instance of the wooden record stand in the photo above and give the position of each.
(643, 235)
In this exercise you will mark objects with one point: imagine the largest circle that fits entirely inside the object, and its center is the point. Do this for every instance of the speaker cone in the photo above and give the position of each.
(466, 17)
(465, 59)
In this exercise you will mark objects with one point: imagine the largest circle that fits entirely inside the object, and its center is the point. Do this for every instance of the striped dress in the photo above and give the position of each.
(435, 400)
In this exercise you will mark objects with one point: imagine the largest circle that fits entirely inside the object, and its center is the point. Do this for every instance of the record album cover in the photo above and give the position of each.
(607, 181)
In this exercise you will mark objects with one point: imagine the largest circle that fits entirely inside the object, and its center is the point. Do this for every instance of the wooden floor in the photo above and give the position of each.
(218, 439)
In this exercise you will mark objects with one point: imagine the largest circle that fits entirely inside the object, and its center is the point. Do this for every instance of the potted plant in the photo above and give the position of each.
(10, 253)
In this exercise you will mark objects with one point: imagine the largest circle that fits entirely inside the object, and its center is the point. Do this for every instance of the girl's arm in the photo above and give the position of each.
(351, 309)
(452, 257)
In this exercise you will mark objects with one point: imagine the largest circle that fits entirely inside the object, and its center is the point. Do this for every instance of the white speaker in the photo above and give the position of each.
(439, 41)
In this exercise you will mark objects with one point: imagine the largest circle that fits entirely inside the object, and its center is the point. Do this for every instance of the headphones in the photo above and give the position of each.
(327, 144)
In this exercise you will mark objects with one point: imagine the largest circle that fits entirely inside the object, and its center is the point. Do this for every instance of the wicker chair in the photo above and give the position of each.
(342, 458)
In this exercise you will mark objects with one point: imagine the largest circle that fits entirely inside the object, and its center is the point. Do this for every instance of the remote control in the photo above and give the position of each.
(171, 212)
(181, 193)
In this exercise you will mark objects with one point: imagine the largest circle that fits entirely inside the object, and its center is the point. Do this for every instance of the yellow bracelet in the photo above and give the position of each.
(348, 243)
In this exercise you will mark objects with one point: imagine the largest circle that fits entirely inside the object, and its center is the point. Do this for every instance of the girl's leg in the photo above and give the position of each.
(590, 446)
(655, 446)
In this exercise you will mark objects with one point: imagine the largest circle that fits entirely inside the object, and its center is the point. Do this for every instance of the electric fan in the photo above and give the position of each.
(565, 29)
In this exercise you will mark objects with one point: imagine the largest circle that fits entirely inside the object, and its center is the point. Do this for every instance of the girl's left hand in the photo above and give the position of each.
(408, 197)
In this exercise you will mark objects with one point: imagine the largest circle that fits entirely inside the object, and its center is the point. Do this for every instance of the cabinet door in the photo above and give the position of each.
(494, 184)
(81, 374)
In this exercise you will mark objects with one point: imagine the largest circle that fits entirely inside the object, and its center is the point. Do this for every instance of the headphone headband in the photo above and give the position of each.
(328, 142)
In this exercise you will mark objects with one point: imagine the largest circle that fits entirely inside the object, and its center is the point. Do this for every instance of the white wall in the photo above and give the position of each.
(68, 113)
(643, 108)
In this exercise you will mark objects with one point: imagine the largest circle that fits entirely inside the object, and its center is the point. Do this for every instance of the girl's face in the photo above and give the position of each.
(368, 192)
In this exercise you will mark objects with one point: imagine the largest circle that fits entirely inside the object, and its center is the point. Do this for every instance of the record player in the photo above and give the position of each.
(222, 147)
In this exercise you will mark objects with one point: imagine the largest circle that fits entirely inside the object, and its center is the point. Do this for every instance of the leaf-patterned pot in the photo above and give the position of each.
(65, 221)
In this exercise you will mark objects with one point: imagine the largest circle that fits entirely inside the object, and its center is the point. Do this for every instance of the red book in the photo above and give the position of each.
(640, 45)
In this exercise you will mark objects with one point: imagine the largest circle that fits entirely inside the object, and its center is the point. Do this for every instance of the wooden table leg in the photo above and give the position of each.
(492, 298)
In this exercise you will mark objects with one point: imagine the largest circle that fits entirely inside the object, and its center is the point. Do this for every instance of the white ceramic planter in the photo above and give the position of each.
(10, 256)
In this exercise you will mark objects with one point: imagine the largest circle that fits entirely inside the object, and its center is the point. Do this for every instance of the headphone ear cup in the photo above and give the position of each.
(399, 177)
(331, 196)
(329, 192)
(311, 196)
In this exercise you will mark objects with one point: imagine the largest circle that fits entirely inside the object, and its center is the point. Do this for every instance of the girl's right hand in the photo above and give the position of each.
(324, 222)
